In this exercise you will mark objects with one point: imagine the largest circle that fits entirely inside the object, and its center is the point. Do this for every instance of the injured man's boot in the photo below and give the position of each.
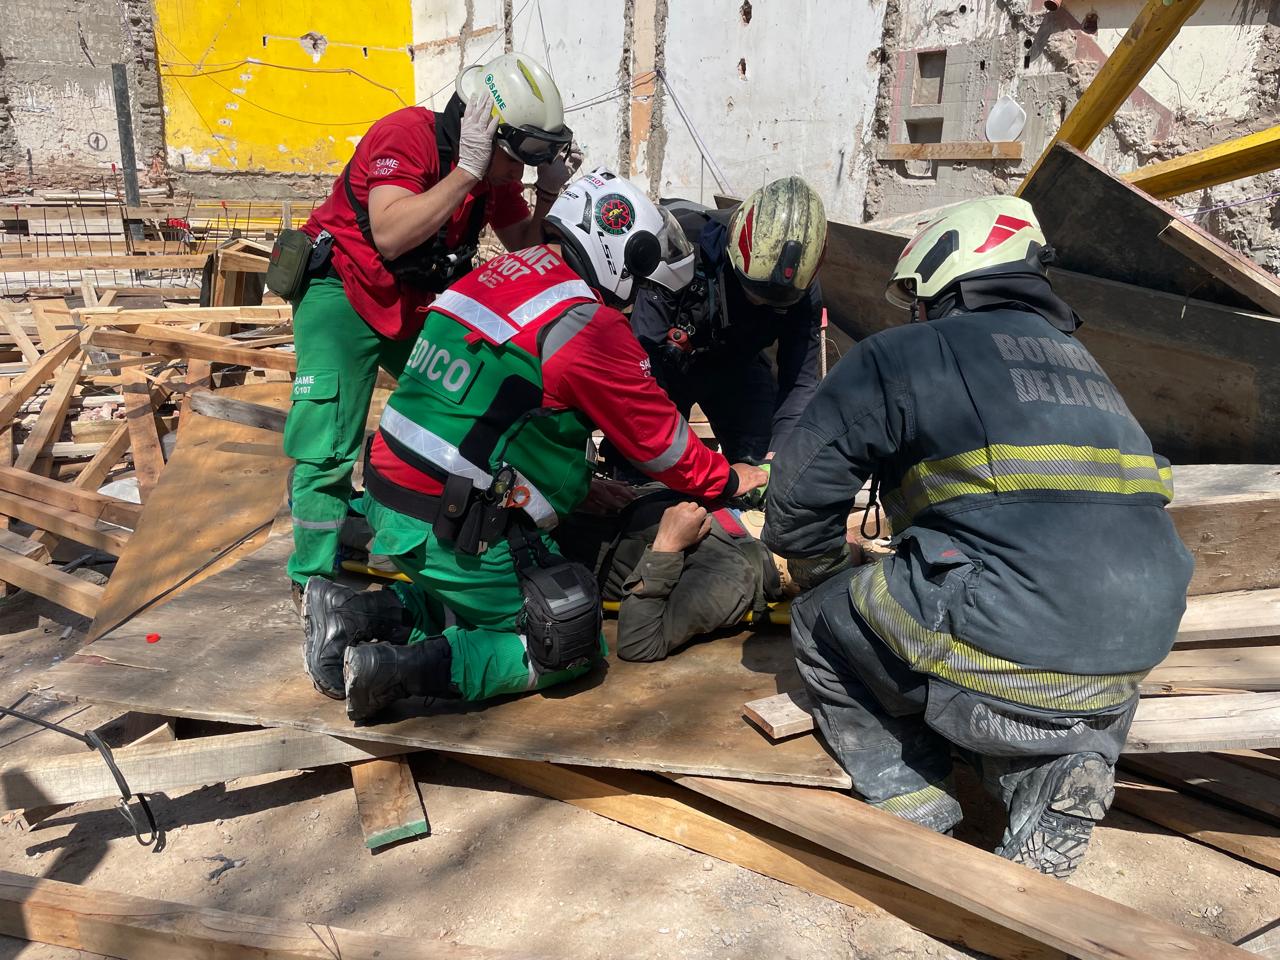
(335, 617)
(1052, 809)
(378, 674)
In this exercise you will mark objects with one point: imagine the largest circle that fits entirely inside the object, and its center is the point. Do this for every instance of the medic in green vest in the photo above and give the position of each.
(485, 443)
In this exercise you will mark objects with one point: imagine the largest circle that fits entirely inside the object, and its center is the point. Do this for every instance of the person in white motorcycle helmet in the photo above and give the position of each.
(613, 235)
(403, 223)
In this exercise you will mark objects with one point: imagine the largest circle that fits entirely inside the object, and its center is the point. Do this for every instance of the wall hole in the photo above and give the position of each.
(745, 11)
(963, 8)
(926, 86)
(1090, 22)
(982, 64)
(1026, 62)
(1026, 44)
(742, 68)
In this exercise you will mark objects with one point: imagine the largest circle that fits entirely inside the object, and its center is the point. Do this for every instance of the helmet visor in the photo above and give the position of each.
(533, 147)
(776, 295)
(676, 245)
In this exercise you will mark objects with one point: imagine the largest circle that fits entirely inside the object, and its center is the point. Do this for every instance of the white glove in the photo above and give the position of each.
(553, 175)
(475, 137)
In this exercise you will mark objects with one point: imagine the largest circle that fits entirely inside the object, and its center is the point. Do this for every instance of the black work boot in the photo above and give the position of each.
(378, 674)
(334, 617)
(1052, 810)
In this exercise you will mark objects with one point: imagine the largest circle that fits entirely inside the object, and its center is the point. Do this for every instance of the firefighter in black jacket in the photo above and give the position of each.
(751, 287)
(1037, 577)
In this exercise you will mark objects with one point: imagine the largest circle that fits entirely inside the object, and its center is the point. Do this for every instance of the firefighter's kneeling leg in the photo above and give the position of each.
(869, 707)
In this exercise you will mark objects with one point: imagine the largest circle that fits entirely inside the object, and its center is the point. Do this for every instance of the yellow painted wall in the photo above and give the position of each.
(293, 105)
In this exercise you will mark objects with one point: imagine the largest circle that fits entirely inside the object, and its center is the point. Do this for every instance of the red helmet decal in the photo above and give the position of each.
(1004, 228)
(744, 239)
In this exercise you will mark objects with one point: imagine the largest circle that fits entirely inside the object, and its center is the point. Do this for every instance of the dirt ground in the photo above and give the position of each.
(505, 868)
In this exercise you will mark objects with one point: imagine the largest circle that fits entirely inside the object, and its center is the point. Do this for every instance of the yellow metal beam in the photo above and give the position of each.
(1242, 157)
(1150, 34)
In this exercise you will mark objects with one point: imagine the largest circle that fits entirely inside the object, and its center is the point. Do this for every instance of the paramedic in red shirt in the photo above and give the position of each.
(400, 226)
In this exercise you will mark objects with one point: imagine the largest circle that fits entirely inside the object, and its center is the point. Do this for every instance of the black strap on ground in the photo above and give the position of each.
(155, 838)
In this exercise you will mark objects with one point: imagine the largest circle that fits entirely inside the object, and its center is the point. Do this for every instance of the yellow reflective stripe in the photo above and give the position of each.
(1005, 468)
(952, 659)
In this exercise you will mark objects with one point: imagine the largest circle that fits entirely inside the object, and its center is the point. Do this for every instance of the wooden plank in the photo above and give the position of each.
(210, 404)
(661, 808)
(1220, 668)
(217, 353)
(952, 150)
(255, 316)
(1151, 32)
(51, 583)
(158, 767)
(1206, 822)
(48, 427)
(104, 459)
(388, 801)
(24, 387)
(1229, 721)
(237, 261)
(1048, 911)
(781, 716)
(20, 338)
(93, 505)
(144, 438)
(1214, 778)
(182, 261)
(24, 547)
(1238, 272)
(53, 321)
(1232, 540)
(1239, 615)
(138, 928)
(679, 715)
(1245, 156)
(1161, 725)
(1100, 225)
(65, 523)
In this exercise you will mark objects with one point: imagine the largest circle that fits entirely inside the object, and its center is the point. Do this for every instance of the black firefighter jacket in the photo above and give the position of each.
(1035, 560)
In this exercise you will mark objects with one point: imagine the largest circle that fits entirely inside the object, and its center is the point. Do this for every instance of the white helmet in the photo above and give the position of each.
(527, 103)
(613, 234)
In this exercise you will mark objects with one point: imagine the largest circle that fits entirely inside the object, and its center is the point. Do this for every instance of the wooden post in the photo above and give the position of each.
(1242, 157)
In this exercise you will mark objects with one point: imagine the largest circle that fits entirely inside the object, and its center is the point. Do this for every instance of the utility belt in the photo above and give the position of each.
(560, 616)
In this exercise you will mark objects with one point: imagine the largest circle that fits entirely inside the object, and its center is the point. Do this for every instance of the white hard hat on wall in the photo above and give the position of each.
(527, 103)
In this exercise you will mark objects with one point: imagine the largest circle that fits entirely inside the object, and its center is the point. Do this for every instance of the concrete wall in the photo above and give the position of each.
(57, 113)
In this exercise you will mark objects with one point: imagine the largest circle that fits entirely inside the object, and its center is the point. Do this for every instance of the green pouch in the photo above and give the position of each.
(287, 268)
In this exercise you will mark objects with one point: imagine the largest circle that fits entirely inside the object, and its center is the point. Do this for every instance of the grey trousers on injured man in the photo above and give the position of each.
(893, 730)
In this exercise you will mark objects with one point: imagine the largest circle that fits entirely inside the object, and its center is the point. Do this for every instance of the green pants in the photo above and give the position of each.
(338, 359)
(482, 594)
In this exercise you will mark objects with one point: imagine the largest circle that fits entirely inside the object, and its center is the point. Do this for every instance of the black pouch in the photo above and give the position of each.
(455, 498)
(290, 261)
(561, 616)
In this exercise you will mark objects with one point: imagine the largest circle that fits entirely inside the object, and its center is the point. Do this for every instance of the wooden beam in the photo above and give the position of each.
(1239, 615)
(1232, 539)
(51, 583)
(49, 424)
(1245, 156)
(662, 809)
(210, 404)
(255, 316)
(1161, 725)
(24, 546)
(388, 801)
(1255, 667)
(65, 523)
(106, 923)
(144, 438)
(1237, 271)
(1051, 912)
(1214, 778)
(216, 353)
(236, 261)
(182, 261)
(104, 459)
(155, 768)
(20, 338)
(93, 505)
(1206, 822)
(954, 150)
(25, 386)
(1155, 27)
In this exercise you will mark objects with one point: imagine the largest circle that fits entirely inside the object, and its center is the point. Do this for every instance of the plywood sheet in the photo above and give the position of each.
(229, 650)
(224, 481)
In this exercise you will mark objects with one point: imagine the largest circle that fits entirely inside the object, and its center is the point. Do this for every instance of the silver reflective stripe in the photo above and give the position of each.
(430, 447)
(447, 457)
(566, 328)
(540, 303)
(319, 524)
(528, 662)
(475, 314)
(671, 456)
